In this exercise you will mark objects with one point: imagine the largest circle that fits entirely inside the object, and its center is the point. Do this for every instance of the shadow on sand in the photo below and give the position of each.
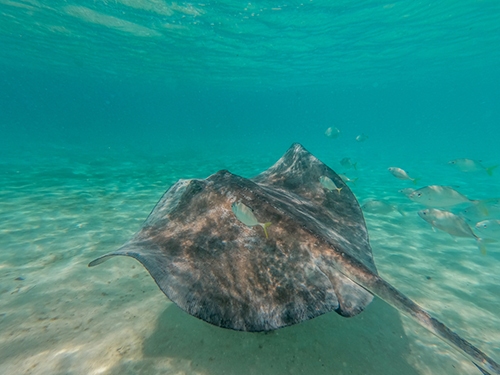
(371, 343)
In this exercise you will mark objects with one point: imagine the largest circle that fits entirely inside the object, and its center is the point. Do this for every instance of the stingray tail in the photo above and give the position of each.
(490, 170)
(265, 226)
(480, 369)
(391, 295)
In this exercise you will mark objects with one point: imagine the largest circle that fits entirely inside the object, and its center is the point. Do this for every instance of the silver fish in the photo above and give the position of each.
(452, 224)
(469, 165)
(401, 174)
(347, 163)
(380, 207)
(347, 179)
(489, 228)
(481, 210)
(332, 133)
(438, 196)
(245, 215)
(407, 192)
(327, 183)
(361, 138)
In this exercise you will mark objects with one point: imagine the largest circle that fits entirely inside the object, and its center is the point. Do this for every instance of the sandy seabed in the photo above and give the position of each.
(60, 209)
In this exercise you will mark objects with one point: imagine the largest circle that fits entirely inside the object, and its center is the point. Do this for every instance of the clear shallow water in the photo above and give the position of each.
(60, 212)
(105, 104)
(238, 42)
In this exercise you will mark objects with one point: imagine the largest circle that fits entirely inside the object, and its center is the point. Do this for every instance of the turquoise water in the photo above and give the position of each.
(105, 104)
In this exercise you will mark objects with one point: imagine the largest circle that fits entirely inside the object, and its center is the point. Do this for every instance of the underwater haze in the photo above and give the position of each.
(105, 104)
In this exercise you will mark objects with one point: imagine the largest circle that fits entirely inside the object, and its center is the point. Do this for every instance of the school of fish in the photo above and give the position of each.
(471, 216)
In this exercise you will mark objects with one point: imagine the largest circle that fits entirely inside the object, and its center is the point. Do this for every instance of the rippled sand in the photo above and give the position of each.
(60, 209)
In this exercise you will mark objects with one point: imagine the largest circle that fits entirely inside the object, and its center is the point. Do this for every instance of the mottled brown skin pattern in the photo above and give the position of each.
(317, 257)
(217, 269)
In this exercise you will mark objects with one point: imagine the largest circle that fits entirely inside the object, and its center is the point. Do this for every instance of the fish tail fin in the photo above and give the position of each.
(490, 170)
(481, 205)
(354, 165)
(338, 189)
(415, 180)
(482, 242)
(354, 180)
(264, 226)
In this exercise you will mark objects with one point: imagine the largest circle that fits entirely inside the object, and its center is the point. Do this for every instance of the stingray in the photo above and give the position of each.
(317, 257)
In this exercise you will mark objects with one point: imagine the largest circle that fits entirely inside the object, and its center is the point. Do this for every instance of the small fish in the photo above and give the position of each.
(361, 138)
(407, 192)
(380, 207)
(438, 196)
(401, 174)
(481, 210)
(245, 215)
(468, 165)
(452, 224)
(489, 228)
(332, 133)
(347, 163)
(347, 179)
(327, 183)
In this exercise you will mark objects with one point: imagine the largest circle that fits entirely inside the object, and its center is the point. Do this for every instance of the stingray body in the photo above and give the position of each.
(317, 258)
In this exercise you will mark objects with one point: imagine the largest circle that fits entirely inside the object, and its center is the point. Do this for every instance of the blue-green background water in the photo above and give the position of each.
(104, 104)
(156, 76)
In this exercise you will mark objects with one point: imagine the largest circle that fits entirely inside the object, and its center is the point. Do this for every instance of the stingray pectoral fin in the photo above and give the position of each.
(265, 225)
(352, 298)
(101, 259)
(391, 295)
(127, 251)
(104, 258)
